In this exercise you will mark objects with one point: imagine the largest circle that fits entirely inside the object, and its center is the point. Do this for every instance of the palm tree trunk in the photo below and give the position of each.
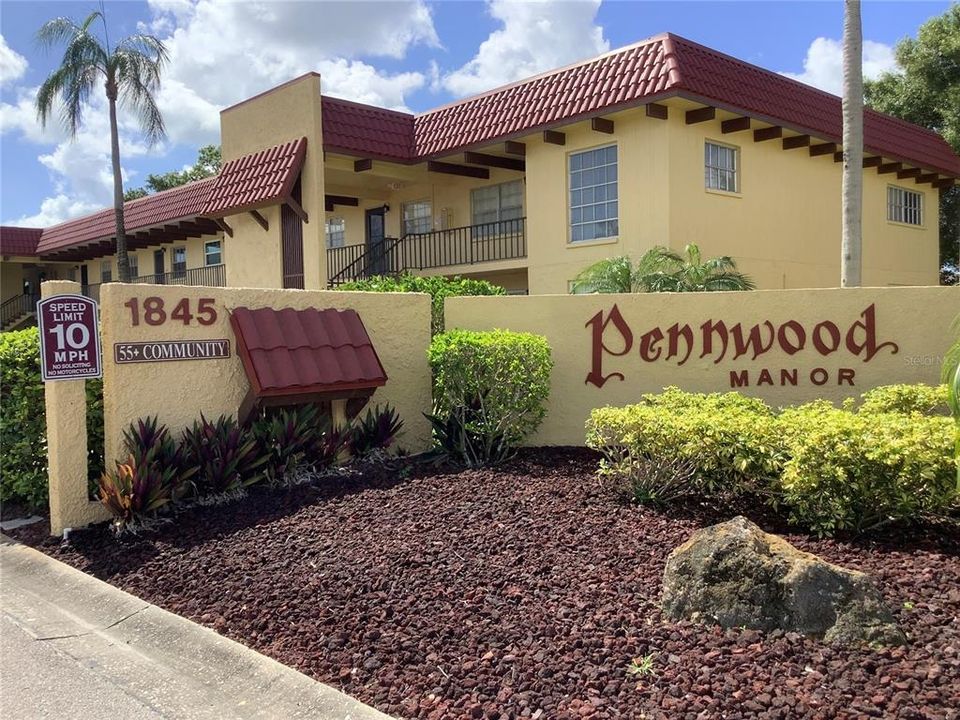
(123, 262)
(851, 244)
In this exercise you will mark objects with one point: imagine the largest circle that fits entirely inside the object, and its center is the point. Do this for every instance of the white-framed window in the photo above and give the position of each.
(904, 206)
(417, 217)
(212, 253)
(721, 167)
(594, 207)
(179, 262)
(134, 265)
(336, 228)
(106, 271)
(497, 203)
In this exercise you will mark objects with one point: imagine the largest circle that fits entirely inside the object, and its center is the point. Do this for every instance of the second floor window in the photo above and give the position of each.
(106, 271)
(904, 206)
(134, 265)
(212, 253)
(417, 217)
(497, 203)
(593, 194)
(179, 264)
(336, 232)
(721, 167)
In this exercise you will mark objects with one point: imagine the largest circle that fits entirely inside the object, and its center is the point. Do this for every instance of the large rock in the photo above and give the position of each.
(734, 574)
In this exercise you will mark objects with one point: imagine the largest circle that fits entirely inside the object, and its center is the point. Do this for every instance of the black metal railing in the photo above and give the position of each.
(208, 276)
(468, 245)
(18, 306)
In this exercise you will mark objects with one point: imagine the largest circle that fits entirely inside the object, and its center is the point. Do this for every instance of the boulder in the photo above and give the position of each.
(736, 575)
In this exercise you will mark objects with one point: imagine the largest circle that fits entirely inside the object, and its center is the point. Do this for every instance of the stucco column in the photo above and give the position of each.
(66, 409)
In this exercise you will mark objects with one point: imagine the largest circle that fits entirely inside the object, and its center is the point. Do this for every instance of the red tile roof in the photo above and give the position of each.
(355, 129)
(296, 352)
(658, 68)
(186, 201)
(19, 241)
(256, 180)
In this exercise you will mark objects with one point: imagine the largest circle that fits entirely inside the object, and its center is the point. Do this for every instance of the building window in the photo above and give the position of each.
(336, 229)
(212, 254)
(179, 263)
(134, 266)
(497, 203)
(417, 217)
(721, 167)
(904, 206)
(106, 271)
(593, 194)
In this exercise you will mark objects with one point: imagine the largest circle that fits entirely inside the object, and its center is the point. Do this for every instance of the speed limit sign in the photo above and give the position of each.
(69, 338)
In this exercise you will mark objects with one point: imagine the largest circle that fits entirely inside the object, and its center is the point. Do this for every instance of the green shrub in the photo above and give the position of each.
(23, 429)
(851, 471)
(437, 287)
(730, 440)
(924, 399)
(492, 384)
(375, 431)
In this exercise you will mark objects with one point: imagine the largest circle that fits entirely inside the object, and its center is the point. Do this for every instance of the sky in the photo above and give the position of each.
(406, 54)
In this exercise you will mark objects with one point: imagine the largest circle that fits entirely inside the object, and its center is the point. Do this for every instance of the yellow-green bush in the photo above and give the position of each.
(831, 469)
(924, 399)
(850, 471)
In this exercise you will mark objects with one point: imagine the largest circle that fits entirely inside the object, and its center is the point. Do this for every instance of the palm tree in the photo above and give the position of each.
(130, 73)
(661, 269)
(852, 191)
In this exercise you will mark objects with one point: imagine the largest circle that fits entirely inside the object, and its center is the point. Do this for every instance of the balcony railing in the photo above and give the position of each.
(17, 307)
(468, 245)
(209, 276)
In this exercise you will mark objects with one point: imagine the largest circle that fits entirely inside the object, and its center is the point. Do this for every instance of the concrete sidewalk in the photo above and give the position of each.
(74, 647)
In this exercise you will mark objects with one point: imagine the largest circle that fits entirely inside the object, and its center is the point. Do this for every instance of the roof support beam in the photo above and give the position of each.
(475, 158)
(658, 111)
(822, 149)
(735, 125)
(512, 147)
(297, 208)
(700, 115)
(868, 162)
(222, 224)
(332, 200)
(884, 168)
(602, 125)
(796, 141)
(944, 184)
(462, 170)
(769, 133)
(908, 173)
(261, 220)
(928, 178)
(554, 137)
(362, 165)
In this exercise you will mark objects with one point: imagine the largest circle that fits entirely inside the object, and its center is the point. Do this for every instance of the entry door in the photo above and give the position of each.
(291, 234)
(158, 266)
(84, 277)
(376, 234)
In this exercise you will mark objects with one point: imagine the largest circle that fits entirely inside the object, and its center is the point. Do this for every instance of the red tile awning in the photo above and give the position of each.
(19, 240)
(289, 353)
(256, 180)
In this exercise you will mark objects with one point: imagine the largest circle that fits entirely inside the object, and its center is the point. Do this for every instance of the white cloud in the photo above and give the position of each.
(823, 65)
(54, 210)
(536, 36)
(12, 64)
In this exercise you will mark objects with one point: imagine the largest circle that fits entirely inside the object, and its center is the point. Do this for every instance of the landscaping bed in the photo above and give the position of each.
(523, 591)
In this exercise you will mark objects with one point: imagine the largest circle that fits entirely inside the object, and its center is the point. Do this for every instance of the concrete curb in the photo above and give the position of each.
(170, 665)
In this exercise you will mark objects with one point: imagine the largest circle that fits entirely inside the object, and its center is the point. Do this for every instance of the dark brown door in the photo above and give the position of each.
(291, 231)
(84, 277)
(158, 266)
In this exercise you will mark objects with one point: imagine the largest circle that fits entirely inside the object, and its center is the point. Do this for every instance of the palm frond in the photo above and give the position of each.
(137, 76)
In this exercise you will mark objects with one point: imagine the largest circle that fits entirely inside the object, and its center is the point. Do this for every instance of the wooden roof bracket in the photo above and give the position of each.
(222, 224)
(297, 208)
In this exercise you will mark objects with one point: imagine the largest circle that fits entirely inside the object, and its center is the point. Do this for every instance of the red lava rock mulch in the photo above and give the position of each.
(523, 592)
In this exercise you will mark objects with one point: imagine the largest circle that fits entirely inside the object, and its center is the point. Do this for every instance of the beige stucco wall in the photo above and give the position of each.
(564, 320)
(195, 257)
(177, 392)
(280, 115)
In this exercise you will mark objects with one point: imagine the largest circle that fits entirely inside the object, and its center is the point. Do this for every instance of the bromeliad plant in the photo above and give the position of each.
(134, 490)
(149, 441)
(226, 455)
(287, 437)
(375, 431)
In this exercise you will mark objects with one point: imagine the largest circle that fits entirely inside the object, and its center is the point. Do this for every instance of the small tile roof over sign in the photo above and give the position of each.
(298, 352)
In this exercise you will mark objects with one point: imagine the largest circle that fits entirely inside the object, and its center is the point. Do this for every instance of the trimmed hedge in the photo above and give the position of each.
(489, 390)
(23, 427)
(437, 287)
(832, 469)
(924, 399)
